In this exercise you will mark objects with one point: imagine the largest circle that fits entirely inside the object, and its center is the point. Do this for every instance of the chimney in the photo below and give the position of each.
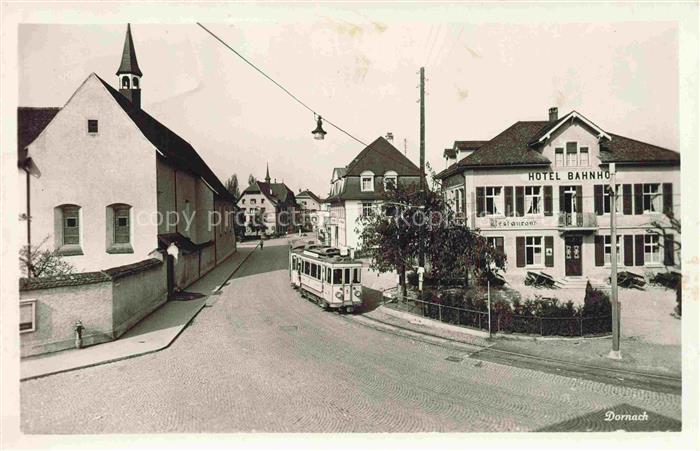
(553, 114)
(390, 137)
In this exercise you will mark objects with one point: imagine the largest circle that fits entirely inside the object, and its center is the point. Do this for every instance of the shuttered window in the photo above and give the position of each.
(71, 224)
(122, 232)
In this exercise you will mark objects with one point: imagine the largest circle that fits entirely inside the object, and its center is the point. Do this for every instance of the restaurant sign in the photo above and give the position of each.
(567, 176)
(512, 223)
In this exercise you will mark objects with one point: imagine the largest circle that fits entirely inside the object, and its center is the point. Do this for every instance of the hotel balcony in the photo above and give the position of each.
(577, 222)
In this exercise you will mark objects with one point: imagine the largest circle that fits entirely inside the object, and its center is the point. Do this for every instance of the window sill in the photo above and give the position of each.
(124, 248)
(68, 250)
(653, 265)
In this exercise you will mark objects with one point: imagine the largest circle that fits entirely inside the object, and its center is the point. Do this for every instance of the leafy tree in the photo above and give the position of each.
(232, 186)
(661, 228)
(35, 261)
(453, 251)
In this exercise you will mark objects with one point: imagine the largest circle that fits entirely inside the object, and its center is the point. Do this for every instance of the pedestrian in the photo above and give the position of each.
(261, 243)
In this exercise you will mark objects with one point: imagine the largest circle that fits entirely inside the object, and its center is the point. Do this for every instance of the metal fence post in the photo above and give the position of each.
(581, 324)
(440, 312)
(541, 327)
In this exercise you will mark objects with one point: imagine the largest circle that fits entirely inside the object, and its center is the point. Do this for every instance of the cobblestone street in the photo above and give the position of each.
(261, 358)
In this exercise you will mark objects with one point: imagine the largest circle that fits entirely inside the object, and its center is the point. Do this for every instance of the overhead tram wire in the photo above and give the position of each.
(325, 119)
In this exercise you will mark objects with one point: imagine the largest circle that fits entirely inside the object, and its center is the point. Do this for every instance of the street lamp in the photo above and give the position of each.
(319, 133)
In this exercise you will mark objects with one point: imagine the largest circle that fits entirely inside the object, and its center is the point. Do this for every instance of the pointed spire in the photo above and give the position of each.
(267, 173)
(129, 65)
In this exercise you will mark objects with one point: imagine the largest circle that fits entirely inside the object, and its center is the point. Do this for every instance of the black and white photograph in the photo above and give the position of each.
(351, 221)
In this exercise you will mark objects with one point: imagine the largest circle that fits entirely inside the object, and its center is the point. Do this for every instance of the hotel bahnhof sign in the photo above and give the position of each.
(566, 176)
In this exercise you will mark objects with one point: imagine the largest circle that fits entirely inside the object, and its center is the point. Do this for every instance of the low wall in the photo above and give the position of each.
(208, 259)
(58, 308)
(136, 295)
(107, 303)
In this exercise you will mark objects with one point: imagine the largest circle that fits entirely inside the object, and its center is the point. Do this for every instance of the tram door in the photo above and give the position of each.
(346, 286)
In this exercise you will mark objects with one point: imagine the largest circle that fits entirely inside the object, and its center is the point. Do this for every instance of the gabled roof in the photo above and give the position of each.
(449, 153)
(379, 157)
(30, 123)
(552, 126)
(174, 149)
(519, 145)
(275, 192)
(626, 150)
(308, 193)
(129, 65)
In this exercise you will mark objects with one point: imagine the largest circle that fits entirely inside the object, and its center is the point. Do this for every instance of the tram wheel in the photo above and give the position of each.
(349, 309)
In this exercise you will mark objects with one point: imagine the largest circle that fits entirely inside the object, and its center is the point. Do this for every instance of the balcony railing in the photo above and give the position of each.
(578, 221)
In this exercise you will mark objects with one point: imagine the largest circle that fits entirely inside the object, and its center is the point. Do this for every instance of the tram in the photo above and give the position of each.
(322, 274)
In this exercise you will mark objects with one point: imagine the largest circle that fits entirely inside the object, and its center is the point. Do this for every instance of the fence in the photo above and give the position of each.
(507, 322)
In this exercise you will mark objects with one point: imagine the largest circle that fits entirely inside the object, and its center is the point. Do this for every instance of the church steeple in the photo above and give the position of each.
(267, 174)
(129, 74)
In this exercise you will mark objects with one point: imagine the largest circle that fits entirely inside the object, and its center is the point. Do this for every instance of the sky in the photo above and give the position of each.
(360, 70)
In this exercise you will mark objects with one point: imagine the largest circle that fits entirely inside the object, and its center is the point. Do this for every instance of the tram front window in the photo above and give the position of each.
(347, 275)
(356, 275)
(337, 276)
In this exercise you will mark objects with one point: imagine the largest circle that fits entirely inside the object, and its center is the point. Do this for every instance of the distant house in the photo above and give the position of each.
(359, 187)
(309, 207)
(269, 207)
(107, 185)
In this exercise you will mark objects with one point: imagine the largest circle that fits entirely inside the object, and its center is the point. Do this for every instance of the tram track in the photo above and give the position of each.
(630, 378)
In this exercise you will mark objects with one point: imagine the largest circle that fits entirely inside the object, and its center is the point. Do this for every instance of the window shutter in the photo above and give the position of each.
(548, 200)
(639, 250)
(579, 199)
(549, 251)
(669, 250)
(598, 199)
(480, 201)
(638, 199)
(562, 206)
(668, 198)
(508, 191)
(499, 245)
(599, 251)
(520, 200)
(629, 250)
(520, 251)
(627, 199)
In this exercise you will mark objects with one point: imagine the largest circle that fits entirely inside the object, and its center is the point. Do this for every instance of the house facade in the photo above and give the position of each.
(359, 187)
(309, 209)
(106, 186)
(538, 191)
(269, 207)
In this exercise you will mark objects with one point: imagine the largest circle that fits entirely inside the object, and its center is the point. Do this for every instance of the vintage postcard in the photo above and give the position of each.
(393, 218)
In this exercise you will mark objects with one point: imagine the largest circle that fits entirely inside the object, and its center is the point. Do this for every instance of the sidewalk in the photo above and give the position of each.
(644, 365)
(154, 333)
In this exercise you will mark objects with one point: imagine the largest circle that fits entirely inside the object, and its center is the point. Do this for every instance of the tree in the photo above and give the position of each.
(251, 179)
(38, 262)
(232, 186)
(391, 238)
(662, 228)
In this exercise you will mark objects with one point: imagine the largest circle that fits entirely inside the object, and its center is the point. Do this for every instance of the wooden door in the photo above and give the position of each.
(573, 250)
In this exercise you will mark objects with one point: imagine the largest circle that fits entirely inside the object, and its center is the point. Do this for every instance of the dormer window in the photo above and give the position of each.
(92, 126)
(367, 181)
(390, 180)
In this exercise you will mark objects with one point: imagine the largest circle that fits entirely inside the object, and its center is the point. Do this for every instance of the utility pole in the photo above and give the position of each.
(615, 351)
(421, 247)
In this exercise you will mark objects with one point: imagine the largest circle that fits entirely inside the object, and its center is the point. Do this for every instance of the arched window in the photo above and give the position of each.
(367, 181)
(390, 180)
(118, 228)
(136, 83)
(67, 229)
(125, 82)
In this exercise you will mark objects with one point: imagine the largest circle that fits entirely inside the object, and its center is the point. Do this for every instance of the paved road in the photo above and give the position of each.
(263, 359)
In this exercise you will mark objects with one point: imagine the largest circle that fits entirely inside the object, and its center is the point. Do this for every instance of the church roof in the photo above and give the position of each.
(30, 122)
(129, 64)
(176, 150)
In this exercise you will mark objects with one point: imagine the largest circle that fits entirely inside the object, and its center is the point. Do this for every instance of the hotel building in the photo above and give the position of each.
(539, 191)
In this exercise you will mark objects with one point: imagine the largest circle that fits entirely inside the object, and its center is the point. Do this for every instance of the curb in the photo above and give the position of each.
(150, 351)
(433, 323)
